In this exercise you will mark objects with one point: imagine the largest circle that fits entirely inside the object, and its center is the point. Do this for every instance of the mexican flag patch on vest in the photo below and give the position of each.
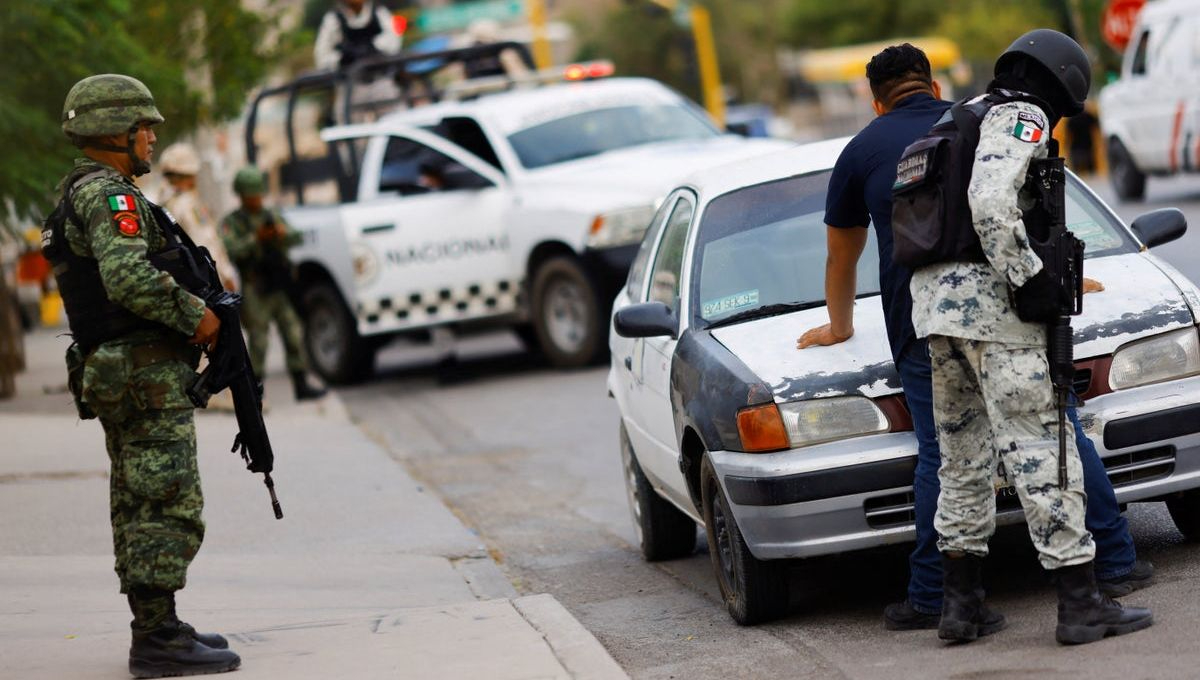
(121, 202)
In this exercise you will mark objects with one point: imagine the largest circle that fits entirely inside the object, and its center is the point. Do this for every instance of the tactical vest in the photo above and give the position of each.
(92, 317)
(931, 215)
(357, 42)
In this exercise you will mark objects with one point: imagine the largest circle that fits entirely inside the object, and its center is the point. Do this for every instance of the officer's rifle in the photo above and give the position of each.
(1062, 257)
(228, 361)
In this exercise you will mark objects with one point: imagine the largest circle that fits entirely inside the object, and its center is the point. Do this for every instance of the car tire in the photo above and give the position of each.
(566, 313)
(754, 590)
(335, 349)
(1128, 182)
(1185, 512)
(663, 531)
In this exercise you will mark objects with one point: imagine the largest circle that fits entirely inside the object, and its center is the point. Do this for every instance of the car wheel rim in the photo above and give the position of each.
(326, 339)
(566, 315)
(723, 537)
(631, 489)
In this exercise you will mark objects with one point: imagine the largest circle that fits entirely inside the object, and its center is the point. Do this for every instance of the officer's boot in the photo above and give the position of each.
(302, 389)
(214, 640)
(964, 615)
(164, 648)
(1085, 615)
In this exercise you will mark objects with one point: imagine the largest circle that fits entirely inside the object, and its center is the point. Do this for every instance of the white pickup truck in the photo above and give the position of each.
(521, 208)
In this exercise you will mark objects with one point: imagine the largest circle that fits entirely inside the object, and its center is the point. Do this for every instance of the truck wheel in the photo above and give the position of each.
(663, 531)
(337, 352)
(1185, 512)
(565, 313)
(754, 590)
(1128, 182)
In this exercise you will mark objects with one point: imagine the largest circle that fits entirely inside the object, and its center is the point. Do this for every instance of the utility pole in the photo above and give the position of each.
(542, 56)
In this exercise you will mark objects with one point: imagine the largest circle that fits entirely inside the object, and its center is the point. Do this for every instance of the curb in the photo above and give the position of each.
(576, 648)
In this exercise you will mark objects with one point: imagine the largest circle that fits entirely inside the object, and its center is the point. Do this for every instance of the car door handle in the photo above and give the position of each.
(629, 363)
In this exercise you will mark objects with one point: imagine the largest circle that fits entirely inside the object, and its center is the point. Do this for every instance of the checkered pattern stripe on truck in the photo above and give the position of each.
(433, 306)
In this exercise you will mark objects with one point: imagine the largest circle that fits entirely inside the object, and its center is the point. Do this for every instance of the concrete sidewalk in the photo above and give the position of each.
(367, 575)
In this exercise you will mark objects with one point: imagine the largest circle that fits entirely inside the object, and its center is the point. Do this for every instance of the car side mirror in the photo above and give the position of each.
(646, 320)
(1160, 226)
(459, 176)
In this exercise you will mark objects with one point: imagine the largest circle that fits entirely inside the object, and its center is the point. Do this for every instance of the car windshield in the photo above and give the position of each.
(763, 248)
(594, 132)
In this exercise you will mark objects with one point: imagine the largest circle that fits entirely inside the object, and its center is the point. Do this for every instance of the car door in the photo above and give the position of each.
(651, 399)
(429, 234)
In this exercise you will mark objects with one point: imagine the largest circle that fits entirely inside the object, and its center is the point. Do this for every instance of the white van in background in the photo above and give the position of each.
(1151, 116)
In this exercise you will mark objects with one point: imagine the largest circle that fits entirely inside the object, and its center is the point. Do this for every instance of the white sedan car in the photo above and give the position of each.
(783, 454)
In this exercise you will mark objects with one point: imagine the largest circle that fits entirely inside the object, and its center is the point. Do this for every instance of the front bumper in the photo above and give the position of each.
(857, 493)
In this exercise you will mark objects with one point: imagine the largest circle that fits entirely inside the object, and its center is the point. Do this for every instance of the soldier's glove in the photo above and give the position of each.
(1040, 299)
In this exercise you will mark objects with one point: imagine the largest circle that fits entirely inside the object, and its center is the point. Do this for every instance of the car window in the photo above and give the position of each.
(637, 271)
(1093, 224)
(668, 261)
(466, 133)
(1139, 56)
(594, 132)
(765, 245)
(410, 167)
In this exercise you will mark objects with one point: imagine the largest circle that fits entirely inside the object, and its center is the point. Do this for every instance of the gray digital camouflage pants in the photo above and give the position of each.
(989, 399)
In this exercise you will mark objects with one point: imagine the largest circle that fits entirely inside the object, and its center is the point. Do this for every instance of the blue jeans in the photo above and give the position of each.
(1114, 546)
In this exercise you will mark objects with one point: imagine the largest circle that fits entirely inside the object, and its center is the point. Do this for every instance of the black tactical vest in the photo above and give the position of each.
(92, 317)
(931, 215)
(358, 42)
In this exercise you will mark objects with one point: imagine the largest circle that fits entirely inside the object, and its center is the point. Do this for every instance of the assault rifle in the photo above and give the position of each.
(228, 361)
(1062, 257)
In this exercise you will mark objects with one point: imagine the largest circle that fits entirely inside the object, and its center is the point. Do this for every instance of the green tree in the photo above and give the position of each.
(200, 58)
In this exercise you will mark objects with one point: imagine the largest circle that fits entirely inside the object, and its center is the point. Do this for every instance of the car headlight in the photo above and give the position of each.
(620, 227)
(1162, 357)
(768, 427)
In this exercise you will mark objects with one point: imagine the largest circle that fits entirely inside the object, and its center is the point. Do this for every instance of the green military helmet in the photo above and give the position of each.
(108, 104)
(250, 181)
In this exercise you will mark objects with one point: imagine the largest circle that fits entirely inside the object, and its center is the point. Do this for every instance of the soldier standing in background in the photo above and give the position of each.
(992, 395)
(180, 165)
(257, 239)
(353, 30)
(136, 334)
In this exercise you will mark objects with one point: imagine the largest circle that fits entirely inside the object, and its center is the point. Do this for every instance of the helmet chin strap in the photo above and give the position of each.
(138, 166)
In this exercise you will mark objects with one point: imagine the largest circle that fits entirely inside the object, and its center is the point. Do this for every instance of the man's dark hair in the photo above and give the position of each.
(897, 72)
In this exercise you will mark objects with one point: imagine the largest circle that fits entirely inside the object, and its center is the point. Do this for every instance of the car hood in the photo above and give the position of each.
(653, 169)
(1138, 300)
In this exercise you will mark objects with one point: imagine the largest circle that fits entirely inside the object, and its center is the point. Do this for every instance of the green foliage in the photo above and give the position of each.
(643, 40)
(173, 47)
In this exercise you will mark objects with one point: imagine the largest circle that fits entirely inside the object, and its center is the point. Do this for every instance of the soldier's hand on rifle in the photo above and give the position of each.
(821, 336)
(206, 332)
(1091, 286)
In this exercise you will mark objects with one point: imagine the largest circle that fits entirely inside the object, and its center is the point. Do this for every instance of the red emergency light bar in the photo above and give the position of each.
(589, 70)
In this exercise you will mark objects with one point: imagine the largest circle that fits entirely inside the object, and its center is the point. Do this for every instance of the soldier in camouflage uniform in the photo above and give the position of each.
(258, 239)
(137, 335)
(991, 381)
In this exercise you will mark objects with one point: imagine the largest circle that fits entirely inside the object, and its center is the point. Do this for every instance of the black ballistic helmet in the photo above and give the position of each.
(1062, 57)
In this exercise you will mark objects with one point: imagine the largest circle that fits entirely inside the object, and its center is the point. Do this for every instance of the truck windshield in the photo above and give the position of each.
(595, 132)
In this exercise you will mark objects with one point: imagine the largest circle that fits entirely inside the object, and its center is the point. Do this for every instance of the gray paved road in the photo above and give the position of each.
(527, 457)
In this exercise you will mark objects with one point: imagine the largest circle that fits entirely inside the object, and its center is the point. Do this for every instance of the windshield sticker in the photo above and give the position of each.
(729, 303)
(1094, 235)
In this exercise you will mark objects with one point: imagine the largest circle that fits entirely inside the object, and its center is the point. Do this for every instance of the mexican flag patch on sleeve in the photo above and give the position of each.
(1029, 127)
(121, 202)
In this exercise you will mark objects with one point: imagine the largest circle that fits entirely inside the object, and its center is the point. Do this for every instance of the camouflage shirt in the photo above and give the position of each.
(119, 234)
(973, 300)
(239, 230)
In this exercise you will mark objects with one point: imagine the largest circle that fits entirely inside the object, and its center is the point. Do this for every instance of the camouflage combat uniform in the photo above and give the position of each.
(991, 382)
(263, 302)
(135, 385)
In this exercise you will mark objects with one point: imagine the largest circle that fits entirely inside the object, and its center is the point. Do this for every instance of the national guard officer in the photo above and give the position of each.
(180, 166)
(131, 363)
(257, 239)
(987, 341)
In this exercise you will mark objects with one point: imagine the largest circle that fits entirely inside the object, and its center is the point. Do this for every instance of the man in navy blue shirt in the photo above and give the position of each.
(907, 102)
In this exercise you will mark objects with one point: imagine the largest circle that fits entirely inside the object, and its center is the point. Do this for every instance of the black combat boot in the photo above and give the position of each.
(1085, 615)
(163, 647)
(964, 615)
(302, 389)
(214, 640)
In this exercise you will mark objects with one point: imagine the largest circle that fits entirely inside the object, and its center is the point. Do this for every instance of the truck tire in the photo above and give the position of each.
(566, 313)
(663, 531)
(1128, 182)
(754, 590)
(335, 349)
